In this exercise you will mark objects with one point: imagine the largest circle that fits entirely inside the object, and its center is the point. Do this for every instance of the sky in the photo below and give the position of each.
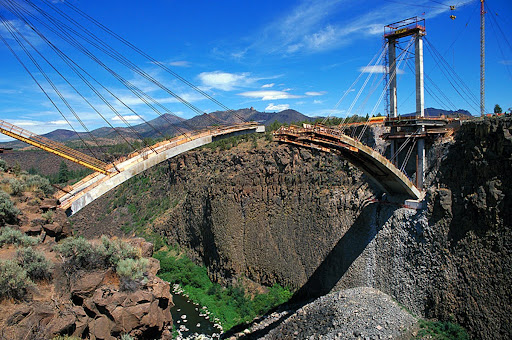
(270, 55)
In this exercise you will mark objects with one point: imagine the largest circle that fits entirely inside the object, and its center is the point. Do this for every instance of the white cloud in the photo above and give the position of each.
(278, 107)
(180, 63)
(266, 86)
(128, 118)
(315, 93)
(225, 81)
(506, 62)
(58, 122)
(321, 25)
(318, 101)
(381, 69)
(268, 95)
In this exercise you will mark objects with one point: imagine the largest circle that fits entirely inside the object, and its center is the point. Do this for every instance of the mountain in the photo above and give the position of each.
(433, 112)
(169, 124)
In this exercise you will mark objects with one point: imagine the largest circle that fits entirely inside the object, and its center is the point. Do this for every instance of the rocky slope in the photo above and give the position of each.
(278, 214)
(84, 302)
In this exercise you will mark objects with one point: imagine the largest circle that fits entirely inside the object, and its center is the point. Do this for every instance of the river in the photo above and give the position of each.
(190, 319)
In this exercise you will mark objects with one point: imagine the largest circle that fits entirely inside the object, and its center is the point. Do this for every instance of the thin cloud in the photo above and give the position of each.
(128, 118)
(268, 95)
(314, 26)
(225, 81)
(380, 69)
(315, 93)
(278, 107)
(266, 86)
(180, 63)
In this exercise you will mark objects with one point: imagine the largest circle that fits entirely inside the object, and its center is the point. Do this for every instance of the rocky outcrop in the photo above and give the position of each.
(274, 213)
(270, 212)
(92, 306)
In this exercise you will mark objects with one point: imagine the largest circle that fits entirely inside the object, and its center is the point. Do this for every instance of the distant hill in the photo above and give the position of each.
(433, 112)
(169, 125)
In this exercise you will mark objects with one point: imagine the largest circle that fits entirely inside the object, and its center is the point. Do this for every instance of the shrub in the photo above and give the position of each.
(35, 264)
(116, 250)
(17, 187)
(131, 272)
(14, 236)
(38, 183)
(127, 337)
(8, 212)
(80, 254)
(441, 330)
(48, 216)
(3, 165)
(14, 281)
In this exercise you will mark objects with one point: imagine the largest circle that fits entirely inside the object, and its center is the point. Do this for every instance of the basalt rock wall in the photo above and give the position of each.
(274, 213)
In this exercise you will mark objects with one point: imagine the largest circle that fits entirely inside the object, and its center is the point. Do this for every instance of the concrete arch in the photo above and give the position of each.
(379, 168)
(95, 185)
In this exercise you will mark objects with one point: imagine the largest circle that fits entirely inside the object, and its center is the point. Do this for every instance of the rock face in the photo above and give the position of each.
(91, 305)
(279, 214)
(247, 210)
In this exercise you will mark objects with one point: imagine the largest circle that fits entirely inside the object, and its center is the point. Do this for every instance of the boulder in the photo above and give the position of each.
(101, 328)
(145, 247)
(53, 229)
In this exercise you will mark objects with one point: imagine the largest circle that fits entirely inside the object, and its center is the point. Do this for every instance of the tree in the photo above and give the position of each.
(497, 109)
(63, 172)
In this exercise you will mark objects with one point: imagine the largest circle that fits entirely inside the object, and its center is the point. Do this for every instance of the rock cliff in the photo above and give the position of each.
(275, 213)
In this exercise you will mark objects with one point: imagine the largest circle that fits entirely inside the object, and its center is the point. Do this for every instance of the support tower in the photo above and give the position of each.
(392, 33)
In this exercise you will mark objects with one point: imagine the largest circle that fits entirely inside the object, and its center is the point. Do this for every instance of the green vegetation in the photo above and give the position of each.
(8, 212)
(48, 216)
(15, 237)
(441, 330)
(34, 263)
(231, 305)
(72, 176)
(143, 214)
(233, 141)
(497, 109)
(3, 165)
(79, 254)
(14, 281)
(131, 272)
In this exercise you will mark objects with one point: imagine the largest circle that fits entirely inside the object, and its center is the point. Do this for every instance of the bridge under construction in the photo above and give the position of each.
(411, 132)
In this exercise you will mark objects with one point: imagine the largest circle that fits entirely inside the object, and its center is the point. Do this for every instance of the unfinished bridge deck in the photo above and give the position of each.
(384, 173)
(97, 184)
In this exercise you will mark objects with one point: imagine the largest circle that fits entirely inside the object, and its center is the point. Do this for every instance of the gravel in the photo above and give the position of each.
(357, 313)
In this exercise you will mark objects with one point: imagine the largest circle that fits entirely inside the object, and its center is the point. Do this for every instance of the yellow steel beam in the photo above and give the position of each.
(96, 167)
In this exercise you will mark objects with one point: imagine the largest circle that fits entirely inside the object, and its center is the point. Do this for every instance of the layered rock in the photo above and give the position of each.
(275, 213)
(92, 306)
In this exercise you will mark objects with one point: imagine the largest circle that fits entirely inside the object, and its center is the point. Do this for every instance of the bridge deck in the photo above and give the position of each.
(376, 166)
(97, 184)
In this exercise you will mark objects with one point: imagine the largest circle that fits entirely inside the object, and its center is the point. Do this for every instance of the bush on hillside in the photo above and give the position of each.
(3, 165)
(34, 263)
(37, 183)
(131, 272)
(16, 237)
(116, 250)
(14, 281)
(80, 254)
(8, 212)
(441, 330)
(48, 216)
(16, 187)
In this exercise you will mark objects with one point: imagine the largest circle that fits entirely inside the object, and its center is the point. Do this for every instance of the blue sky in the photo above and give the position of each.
(270, 55)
